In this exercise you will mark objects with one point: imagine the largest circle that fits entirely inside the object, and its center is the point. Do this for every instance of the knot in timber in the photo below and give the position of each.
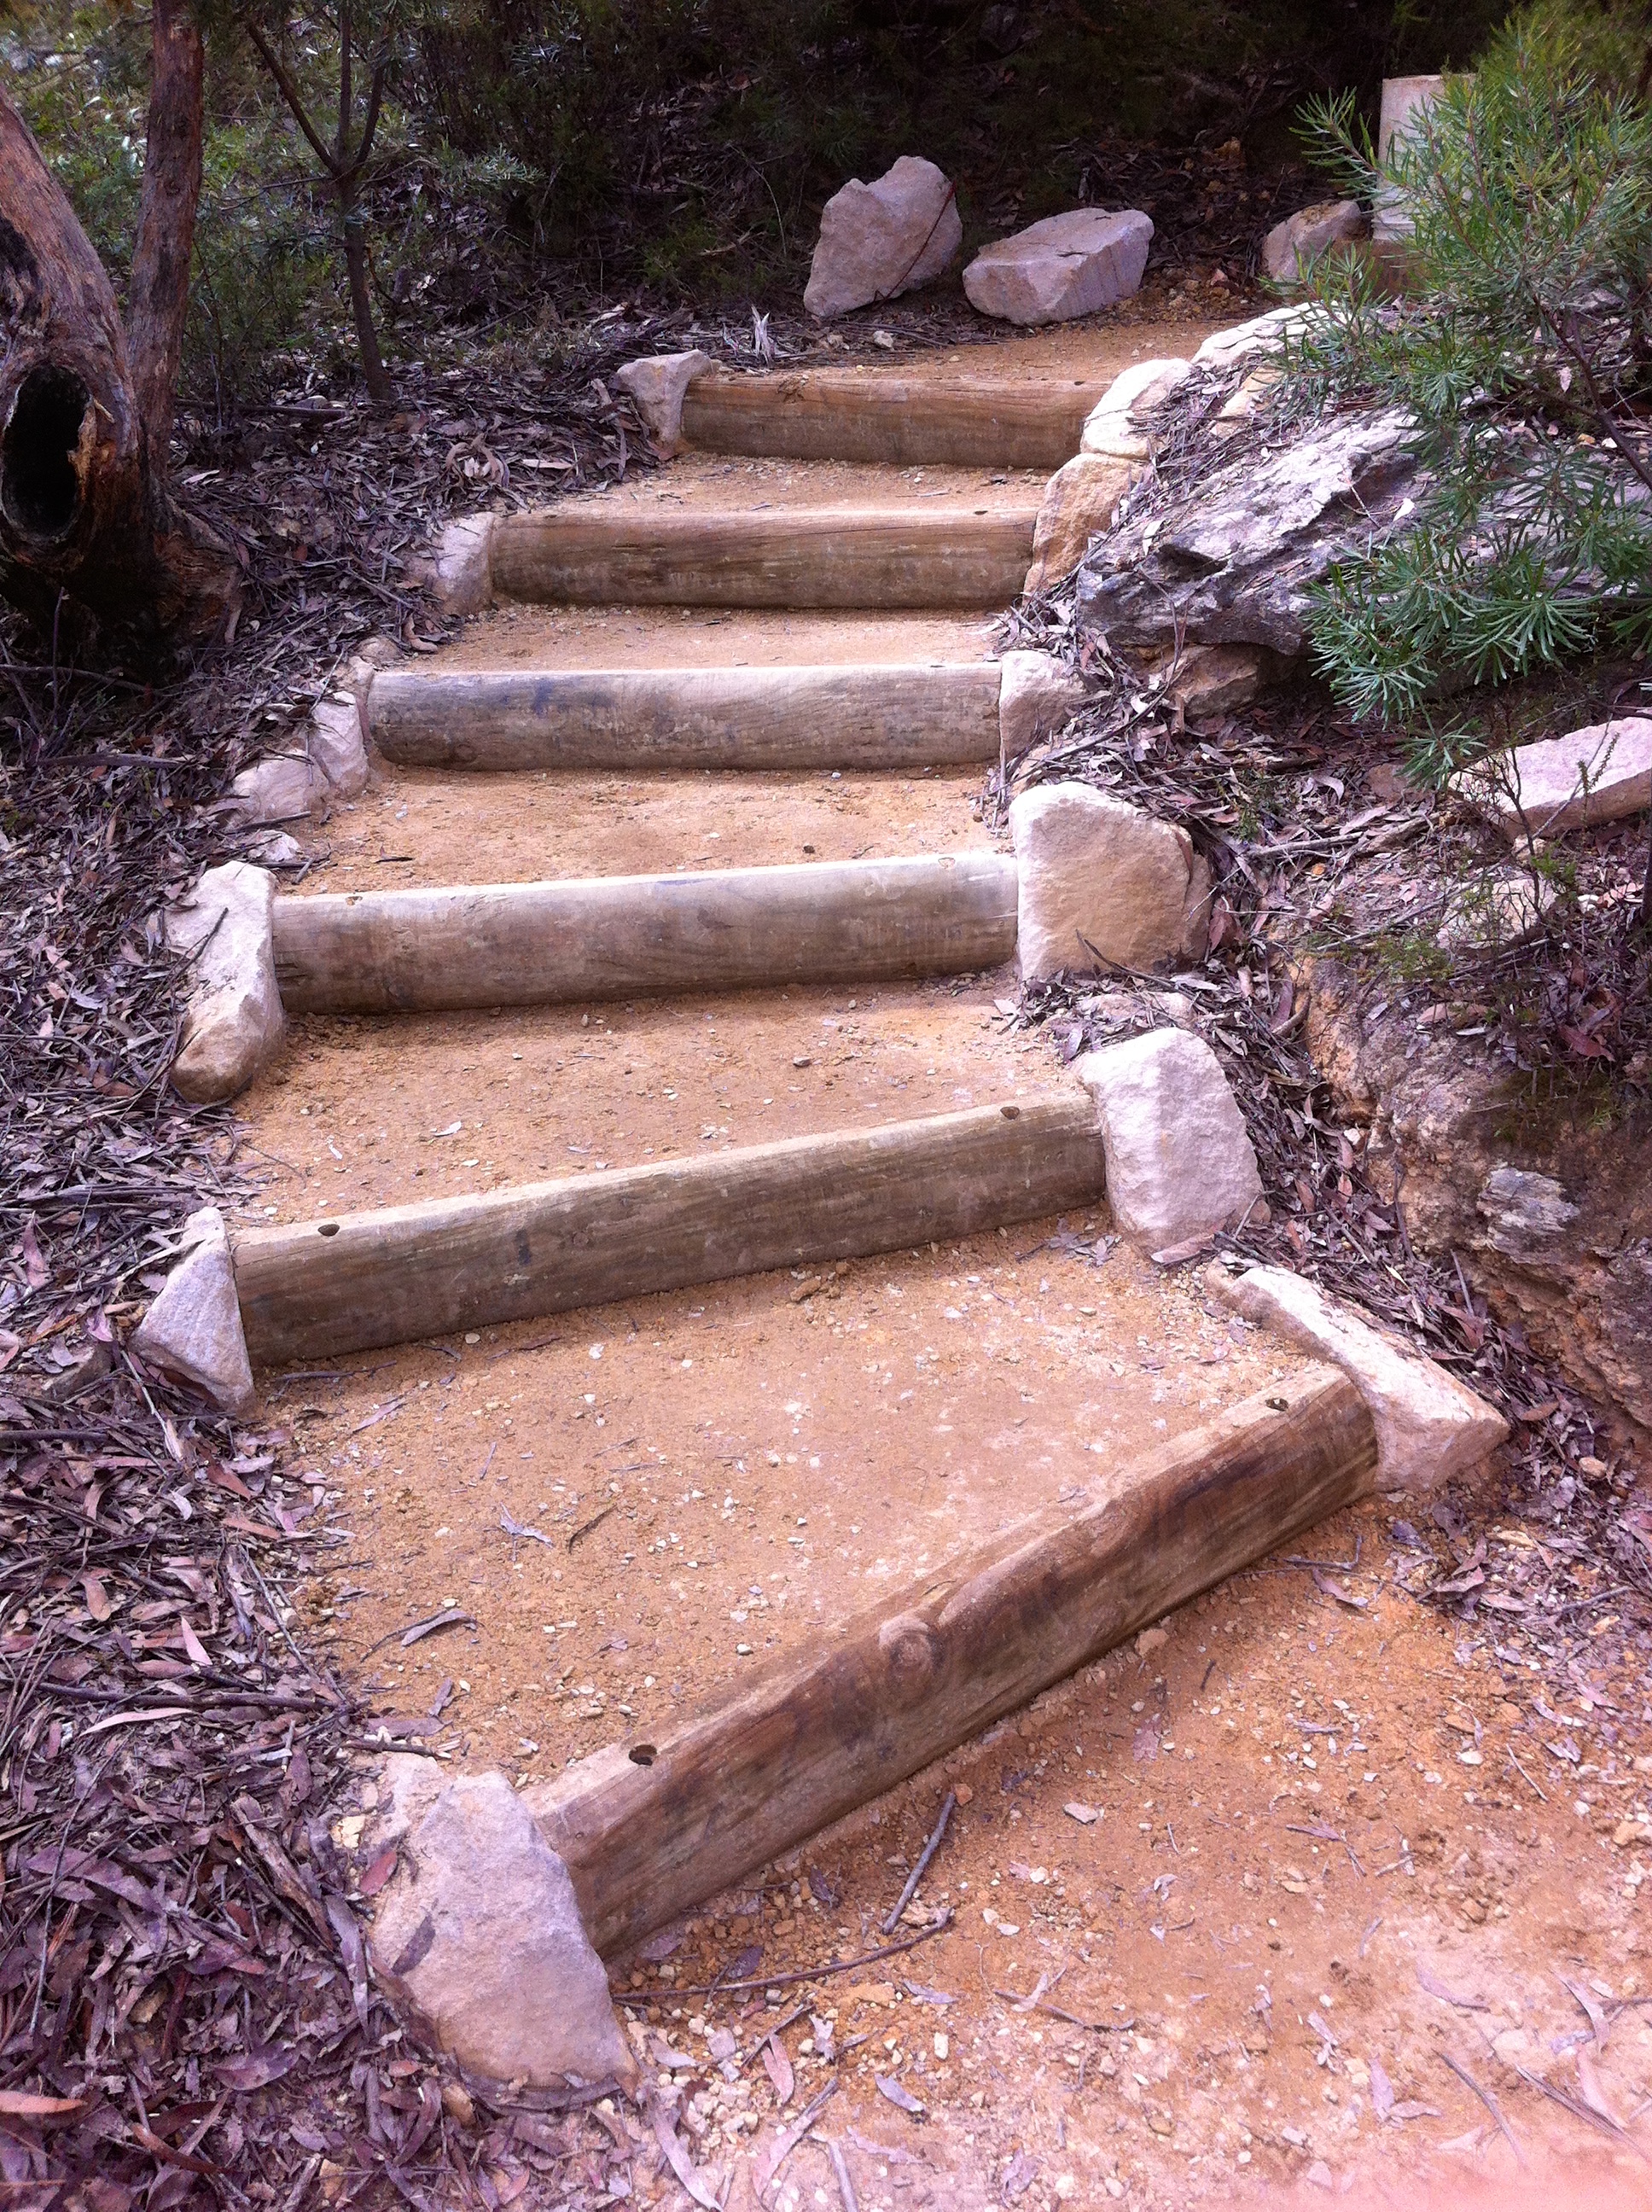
(911, 1650)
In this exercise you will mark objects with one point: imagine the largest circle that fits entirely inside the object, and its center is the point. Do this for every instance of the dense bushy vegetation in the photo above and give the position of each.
(535, 154)
(1523, 348)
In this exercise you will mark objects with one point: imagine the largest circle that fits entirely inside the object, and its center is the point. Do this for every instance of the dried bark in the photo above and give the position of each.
(82, 511)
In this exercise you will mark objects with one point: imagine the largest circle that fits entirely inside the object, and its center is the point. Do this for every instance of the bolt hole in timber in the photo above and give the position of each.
(642, 1754)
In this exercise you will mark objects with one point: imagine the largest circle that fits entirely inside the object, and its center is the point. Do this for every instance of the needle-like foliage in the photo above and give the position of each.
(1522, 346)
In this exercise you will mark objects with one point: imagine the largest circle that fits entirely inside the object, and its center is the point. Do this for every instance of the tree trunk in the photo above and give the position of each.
(158, 297)
(380, 391)
(81, 510)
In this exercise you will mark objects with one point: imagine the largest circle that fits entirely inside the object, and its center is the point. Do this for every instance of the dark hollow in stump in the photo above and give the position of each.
(648, 1829)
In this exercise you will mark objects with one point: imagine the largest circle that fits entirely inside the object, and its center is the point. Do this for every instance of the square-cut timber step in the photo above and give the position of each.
(876, 716)
(618, 937)
(398, 1273)
(835, 415)
(784, 557)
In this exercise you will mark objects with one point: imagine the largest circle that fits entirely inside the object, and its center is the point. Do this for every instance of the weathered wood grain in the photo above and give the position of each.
(606, 937)
(899, 716)
(397, 1273)
(652, 1826)
(826, 415)
(786, 557)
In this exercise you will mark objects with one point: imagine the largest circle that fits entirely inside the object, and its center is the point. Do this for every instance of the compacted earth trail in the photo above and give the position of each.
(1222, 1906)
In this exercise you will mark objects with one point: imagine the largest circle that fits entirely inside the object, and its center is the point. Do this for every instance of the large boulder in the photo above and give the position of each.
(1234, 562)
(1067, 265)
(1291, 247)
(880, 239)
(234, 1020)
(479, 1936)
(1101, 883)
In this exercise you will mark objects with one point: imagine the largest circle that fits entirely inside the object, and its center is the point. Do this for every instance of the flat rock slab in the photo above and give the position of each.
(479, 1935)
(1180, 1164)
(1428, 1426)
(235, 1023)
(1235, 562)
(1600, 773)
(1066, 267)
(880, 239)
(1261, 334)
(193, 1329)
(1100, 883)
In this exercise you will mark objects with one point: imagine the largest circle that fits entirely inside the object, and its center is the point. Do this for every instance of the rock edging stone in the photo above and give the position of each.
(193, 1331)
(1180, 1164)
(234, 1022)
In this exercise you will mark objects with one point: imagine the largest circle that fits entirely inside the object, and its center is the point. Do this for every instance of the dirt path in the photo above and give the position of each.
(1225, 1907)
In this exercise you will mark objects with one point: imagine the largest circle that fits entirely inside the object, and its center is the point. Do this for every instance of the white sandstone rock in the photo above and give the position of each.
(1115, 424)
(479, 1933)
(234, 1020)
(1405, 102)
(1067, 265)
(1428, 1426)
(1037, 693)
(193, 1329)
(1180, 1165)
(1262, 334)
(335, 745)
(1100, 882)
(657, 383)
(880, 239)
(280, 787)
(464, 578)
(1079, 502)
(1600, 774)
(1291, 247)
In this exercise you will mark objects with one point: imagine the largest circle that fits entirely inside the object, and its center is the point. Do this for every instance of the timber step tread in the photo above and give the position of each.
(838, 556)
(838, 715)
(398, 1274)
(601, 937)
(838, 414)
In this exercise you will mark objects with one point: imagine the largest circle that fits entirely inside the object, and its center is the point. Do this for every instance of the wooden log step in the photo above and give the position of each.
(786, 557)
(615, 937)
(652, 1828)
(873, 717)
(833, 415)
(393, 1275)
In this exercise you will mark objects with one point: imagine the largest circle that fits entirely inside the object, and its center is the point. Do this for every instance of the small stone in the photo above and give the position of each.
(1079, 502)
(1291, 247)
(281, 788)
(1100, 882)
(1502, 906)
(880, 239)
(657, 384)
(1151, 1640)
(1116, 424)
(1428, 1426)
(462, 578)
(193, 1329)
(1179, 1162)
(1037, 693)
(335, 745)
(1066, 267)
(234, 1022)
(1600, 773)
(478, 1933)
(1211, 680)
(458, 2103)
